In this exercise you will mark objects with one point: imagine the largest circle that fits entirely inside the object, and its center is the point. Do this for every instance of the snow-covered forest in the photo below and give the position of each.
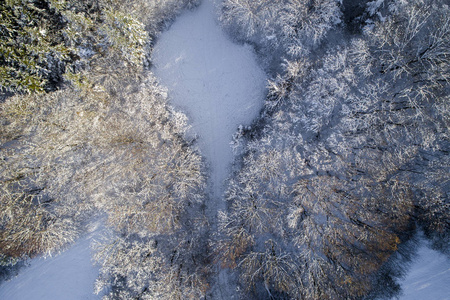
(235, 149)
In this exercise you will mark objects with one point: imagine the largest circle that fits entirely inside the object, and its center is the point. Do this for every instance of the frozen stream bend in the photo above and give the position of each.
(219, 86)
(217, 83)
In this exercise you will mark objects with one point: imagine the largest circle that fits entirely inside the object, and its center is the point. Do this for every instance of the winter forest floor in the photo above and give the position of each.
(220, 86)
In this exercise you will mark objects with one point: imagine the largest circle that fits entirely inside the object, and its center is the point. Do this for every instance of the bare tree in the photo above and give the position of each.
(291, 27)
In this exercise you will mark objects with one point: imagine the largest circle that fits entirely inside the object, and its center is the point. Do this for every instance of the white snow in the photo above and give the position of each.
(69, 275)
(373, 6)
(220, 86)
(217, 83)
(428, 277)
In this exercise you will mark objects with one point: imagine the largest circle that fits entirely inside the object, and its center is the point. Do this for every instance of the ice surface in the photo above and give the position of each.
(428, 277)
(216, 82)
(69, 275)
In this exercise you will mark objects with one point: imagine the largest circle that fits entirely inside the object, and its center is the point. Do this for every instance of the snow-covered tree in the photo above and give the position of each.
(31, 46)
(294, 228)
(66, 156)
(47, 42)
(281, 28)
(43, 148)
(414, 42)
(350, 156)
(151, 187)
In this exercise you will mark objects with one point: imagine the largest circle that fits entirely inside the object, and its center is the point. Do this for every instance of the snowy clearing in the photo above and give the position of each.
(217, 83)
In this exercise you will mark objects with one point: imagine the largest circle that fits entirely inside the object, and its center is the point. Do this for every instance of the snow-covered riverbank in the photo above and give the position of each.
(219, 86)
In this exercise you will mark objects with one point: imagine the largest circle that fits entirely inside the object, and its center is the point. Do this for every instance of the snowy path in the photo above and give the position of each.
(217, 83)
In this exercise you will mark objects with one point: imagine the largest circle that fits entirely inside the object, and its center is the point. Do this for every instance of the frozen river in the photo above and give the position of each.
(216, 82)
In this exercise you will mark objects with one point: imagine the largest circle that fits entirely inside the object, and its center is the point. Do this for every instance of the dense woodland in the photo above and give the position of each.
(347, 161)
(98, 141)
(351, 154)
